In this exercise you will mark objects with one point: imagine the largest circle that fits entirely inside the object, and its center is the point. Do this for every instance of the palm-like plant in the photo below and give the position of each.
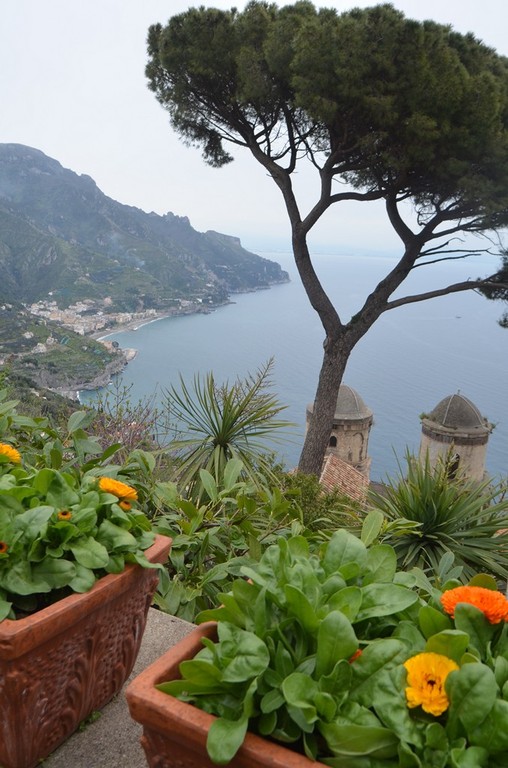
(223, 422)
(430, 513)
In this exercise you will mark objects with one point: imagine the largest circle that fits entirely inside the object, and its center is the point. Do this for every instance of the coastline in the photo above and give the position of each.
(135, 323)
(128, 354)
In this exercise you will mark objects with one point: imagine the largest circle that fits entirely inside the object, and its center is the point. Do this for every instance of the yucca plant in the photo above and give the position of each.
(429, 514)
(226, 421)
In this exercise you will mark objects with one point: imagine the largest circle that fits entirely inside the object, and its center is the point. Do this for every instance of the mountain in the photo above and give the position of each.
(61, 237)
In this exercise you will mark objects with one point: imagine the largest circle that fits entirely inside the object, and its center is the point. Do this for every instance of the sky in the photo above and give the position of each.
(72, 84)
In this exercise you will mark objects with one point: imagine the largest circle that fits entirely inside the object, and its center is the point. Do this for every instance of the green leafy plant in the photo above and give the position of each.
(287, 639)
(223, 422)
(429, 514)
(213, 539)
(339, 657)
(66, 515)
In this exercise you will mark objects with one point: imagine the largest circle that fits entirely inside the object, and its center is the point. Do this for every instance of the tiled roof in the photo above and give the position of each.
(337, 473)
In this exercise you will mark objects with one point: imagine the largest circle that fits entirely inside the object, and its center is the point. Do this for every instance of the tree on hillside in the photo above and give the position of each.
(383, 107)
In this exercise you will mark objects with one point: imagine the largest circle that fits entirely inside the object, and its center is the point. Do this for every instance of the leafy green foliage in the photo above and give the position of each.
(214, 538)
(322, 511)
(286, 664)
(431, 515)
(60, 529)
(223, 422)
(286, 637)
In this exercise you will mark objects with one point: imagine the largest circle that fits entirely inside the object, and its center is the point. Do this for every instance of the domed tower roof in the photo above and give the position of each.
(350, 405)
(457, 417)
(457, 412)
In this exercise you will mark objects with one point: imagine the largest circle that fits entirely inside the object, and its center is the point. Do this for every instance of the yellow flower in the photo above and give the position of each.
(11, 453)
(64, 514)
(123, 491)
(493, 605)
(426, 675)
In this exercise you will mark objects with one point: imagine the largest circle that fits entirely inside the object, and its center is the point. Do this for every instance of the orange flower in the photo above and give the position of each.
(3, 547)
(64, 514)
(11, 453)
(123, 491)
(125, 505)
(493, 605)
(355, 655)
(426, 675)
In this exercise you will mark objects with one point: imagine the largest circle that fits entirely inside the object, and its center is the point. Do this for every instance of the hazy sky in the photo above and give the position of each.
(72, 85)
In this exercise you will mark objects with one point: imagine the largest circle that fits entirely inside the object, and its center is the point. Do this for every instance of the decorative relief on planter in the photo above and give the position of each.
(70, 659)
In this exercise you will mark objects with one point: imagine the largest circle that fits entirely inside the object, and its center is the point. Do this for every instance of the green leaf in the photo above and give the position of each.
(299, 691)
(484, 580)
(384, 600)
(377, 656)
(358, 740)
(348, 600)
(492, 733)
(300, 606)
(371, 527)
(450, 642)
(432, 621)
(343, 549)
(249, 656)
(225, 738)
(115, 538)
(473, 622)
(5, 609)
(470, 757)
(381, 564)
(209, 484)
(83, 580)
(336, 640)
(232, 472)
(90, 553)
(33, 522)
(56, 573)
(19, 580)
(472, 693)
(80, 420)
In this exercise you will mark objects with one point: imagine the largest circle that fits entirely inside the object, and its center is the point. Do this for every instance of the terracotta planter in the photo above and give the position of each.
(174, 733)
(70, 659)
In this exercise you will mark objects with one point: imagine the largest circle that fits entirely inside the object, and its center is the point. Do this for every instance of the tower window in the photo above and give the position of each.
(333, 442)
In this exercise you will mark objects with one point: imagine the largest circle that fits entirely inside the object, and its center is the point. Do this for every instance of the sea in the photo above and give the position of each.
(411, 359)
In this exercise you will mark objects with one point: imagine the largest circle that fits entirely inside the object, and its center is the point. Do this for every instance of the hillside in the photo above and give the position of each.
(62, 238)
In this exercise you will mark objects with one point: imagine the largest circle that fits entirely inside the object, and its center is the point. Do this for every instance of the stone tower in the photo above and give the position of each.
(455, 429)
(349, 438)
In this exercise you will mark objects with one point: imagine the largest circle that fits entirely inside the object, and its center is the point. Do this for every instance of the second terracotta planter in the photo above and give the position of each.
(69, 659)
(174, 732)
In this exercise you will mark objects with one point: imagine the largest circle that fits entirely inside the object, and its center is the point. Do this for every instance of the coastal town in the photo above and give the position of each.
(92, 318)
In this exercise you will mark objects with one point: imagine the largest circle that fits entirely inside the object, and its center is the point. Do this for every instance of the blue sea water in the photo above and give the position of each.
(411, 358)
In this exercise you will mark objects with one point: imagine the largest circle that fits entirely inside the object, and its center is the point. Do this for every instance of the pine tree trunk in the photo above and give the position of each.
(319, 429)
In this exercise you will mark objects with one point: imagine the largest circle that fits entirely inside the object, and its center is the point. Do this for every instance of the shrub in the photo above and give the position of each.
(430, 514)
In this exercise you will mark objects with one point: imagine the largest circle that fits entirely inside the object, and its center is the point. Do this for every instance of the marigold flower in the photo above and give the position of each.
(11, 453)
(123, 491)
(64, 514)
(426, 675)
(355, 655)
(492, 604)
(125, 505)
(3, 547)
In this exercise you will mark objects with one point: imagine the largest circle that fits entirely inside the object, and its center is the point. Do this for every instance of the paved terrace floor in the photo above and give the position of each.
(112, 741)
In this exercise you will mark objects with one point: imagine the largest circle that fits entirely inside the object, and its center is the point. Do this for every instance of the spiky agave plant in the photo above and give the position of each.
(226, 421)
(452, 514)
